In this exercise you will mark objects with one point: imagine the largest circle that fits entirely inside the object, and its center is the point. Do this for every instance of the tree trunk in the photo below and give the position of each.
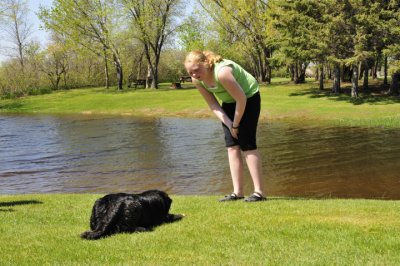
(291, 72)
(139, 67)
(329, 71)
(365, 83)
(256, 71)
(154, 83)
(149, 76)
(269, 74)
(354, 82)
(58, 79)
(321, 77)
(261, 68)
(268, 70)
(395, 84)
(342, 72)
(106, 72)
(361, 71)
(336, 79)
(118, 67)
(347, 73)
(385, 70)
(296, 73)
(65, 79)
(375, 70)
(302, 74)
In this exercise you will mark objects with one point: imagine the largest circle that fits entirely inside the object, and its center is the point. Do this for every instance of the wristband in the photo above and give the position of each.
(235, 127)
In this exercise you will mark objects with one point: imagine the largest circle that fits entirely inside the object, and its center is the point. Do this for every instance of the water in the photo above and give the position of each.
(103, 154)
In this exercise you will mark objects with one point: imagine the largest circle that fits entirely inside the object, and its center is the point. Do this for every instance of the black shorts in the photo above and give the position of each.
(248, 123)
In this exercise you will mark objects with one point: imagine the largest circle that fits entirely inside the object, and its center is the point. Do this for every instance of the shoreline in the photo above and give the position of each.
(302, 103)
(206, 114)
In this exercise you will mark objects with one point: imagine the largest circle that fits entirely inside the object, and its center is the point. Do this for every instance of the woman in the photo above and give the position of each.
(220, 78)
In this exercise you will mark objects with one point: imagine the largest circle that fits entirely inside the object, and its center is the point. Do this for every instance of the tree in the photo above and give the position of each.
(16, 27)
(92, 25)
(341, 36)
(248, 24)
(152, 23)
(392, 50)
(54, 63)
(302, 36)
(191, 37)
(367, 40)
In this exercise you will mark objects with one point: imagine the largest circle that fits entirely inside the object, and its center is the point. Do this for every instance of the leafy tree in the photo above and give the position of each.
(90, 23)
(341, 30)
(191, 34)
(55, 63)
(391, 15)
(152, 23)
(367, 41)
(247, 23)
(302, 36)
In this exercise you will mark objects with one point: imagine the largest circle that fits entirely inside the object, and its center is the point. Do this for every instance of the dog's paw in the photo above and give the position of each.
(175, 217)
(91, 235)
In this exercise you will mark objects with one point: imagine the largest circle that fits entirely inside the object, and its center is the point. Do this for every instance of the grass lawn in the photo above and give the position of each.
(44, 229)
(280, 100)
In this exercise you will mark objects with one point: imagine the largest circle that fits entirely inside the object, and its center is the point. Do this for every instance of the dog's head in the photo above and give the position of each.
(166, 199)
(158, 198)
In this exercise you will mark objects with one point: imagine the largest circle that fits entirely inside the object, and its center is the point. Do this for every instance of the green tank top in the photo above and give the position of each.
(246, 81)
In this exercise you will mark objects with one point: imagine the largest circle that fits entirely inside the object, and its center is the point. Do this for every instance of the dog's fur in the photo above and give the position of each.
(117, 213)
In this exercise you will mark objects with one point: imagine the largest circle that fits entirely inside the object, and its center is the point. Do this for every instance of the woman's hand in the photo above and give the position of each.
(234, 131)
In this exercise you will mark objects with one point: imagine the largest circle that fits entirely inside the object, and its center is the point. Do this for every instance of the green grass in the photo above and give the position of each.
(280, 101)
(44, 229)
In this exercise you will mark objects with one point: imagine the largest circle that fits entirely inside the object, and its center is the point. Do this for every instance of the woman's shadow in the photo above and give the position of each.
(9, 204)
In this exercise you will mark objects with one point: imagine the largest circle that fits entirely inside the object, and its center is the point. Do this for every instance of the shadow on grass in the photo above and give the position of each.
(290, 198)
(322, 198)
(375, 95)
(17, 203)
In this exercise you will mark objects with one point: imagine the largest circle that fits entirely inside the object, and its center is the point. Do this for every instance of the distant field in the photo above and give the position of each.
(280, 100)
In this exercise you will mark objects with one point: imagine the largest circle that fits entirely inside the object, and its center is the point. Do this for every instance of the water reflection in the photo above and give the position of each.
(186, 156)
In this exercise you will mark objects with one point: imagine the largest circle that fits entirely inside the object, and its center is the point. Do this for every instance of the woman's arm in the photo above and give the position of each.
(230, 84)
(213, 104)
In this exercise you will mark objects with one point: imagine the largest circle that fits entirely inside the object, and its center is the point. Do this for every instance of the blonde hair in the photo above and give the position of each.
(207, 58)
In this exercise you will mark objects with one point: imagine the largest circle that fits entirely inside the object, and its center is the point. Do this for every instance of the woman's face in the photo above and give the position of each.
(196, 70)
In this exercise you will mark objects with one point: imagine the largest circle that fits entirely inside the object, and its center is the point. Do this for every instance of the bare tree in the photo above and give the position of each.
(16, 27)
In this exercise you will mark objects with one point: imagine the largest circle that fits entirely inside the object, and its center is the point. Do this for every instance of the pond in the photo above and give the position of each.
(104, 154)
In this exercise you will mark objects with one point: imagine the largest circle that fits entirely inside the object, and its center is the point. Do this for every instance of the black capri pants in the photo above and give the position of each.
(248, 124)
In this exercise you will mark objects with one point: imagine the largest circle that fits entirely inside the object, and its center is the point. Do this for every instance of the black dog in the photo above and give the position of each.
(117, 213)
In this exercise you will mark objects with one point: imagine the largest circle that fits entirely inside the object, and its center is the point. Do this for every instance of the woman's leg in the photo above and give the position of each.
(236, 167)
(253, 160)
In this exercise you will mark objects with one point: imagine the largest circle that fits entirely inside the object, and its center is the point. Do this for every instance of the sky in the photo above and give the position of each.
(38, 34)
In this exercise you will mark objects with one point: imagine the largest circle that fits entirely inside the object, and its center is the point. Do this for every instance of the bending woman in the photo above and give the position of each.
(238, 91)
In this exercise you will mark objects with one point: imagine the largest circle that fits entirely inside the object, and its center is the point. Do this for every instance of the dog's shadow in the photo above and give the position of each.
(9, 204)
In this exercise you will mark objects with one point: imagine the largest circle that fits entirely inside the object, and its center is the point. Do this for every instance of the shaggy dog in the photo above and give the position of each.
(117, 213)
